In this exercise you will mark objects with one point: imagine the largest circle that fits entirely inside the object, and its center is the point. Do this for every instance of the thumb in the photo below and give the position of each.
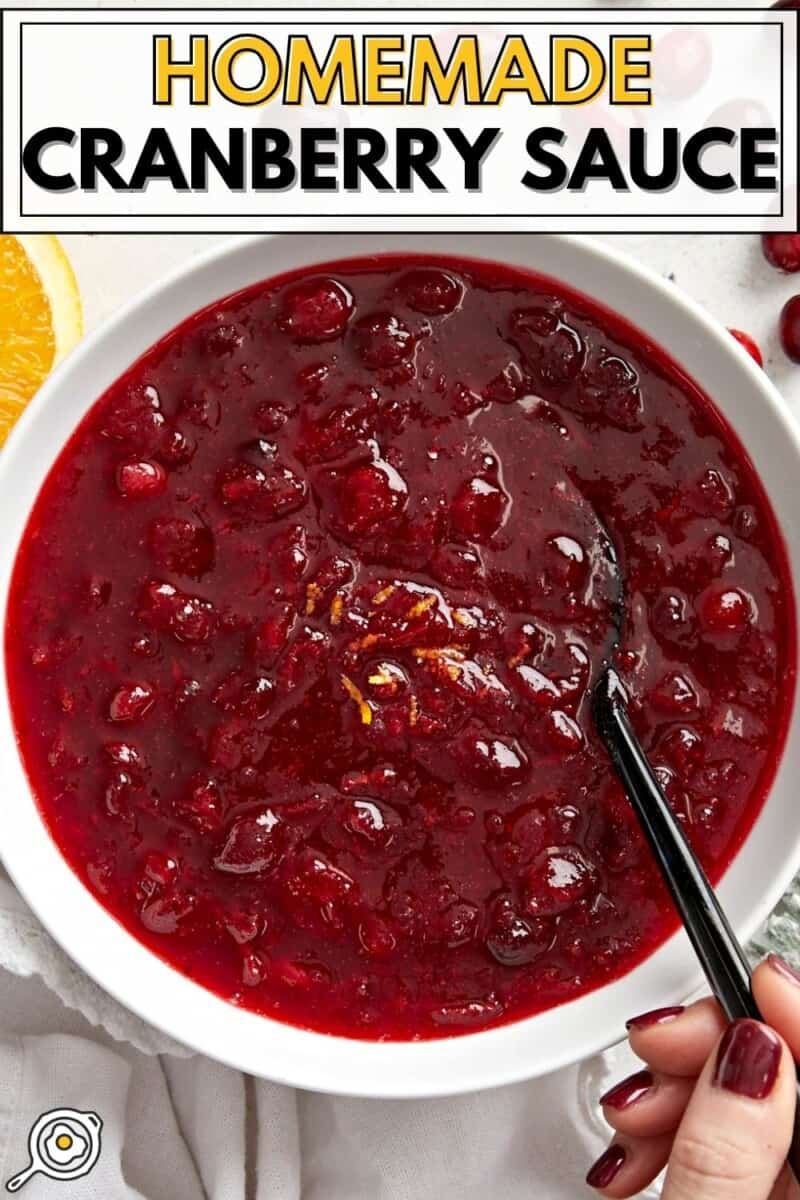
(735, 1133)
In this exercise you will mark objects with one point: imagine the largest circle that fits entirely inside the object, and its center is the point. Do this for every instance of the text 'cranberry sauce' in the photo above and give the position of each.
(304, 627)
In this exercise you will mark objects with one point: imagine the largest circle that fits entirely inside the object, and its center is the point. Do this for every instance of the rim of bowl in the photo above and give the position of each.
(186, 1011)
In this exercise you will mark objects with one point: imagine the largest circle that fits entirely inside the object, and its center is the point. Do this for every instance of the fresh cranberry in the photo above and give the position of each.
(316, 310)
(750, 345)
(782, 250)
(382, 340)
(431, 291)
(141, 479)
(790, 328)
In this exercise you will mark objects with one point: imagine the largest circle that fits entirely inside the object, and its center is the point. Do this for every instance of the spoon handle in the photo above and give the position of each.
(715, 943)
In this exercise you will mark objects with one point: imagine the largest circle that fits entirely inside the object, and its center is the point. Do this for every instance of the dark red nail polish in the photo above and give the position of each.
(657, 1016)
(606, 1167)
(629, 1090)
(748, 1059)
(783, 968)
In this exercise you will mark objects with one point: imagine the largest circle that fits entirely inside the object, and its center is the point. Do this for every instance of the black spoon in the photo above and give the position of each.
(716, 945)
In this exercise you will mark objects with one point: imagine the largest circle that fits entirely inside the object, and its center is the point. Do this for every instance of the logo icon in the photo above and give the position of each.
(63, 1144)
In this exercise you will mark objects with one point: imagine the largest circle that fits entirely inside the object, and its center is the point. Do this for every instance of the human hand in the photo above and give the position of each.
(715, 1103)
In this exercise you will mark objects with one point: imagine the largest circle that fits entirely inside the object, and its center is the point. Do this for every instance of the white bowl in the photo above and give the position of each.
(150, 987)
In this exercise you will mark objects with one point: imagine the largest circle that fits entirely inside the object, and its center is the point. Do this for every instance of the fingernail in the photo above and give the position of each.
(657, 1016)
(629, 1090)
(783, 968)
(606, 1167)
(748, 1059)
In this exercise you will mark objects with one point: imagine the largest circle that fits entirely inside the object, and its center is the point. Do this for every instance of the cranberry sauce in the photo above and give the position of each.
(304, 626)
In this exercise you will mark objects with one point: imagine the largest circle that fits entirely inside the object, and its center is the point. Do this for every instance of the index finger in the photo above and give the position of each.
(677, 1041)
(776, 987)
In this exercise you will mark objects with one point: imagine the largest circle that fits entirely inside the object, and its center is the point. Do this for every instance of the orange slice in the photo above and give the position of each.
(40, 318)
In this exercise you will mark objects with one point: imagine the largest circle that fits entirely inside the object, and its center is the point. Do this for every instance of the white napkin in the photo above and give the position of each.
(26, 949)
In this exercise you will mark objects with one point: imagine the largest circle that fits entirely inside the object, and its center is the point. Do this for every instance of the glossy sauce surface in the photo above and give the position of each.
(304, 626)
